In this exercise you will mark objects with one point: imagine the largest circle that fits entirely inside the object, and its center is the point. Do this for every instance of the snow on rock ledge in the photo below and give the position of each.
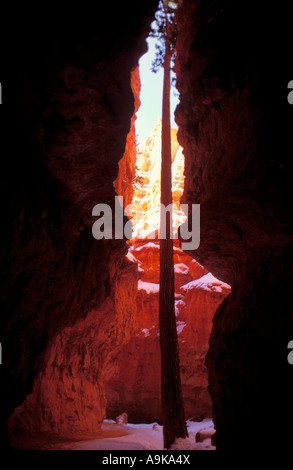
(207, 282)
(148, 287)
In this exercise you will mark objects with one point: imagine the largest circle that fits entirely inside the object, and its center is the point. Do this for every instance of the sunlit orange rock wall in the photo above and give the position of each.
(147, 183)
(68, 397)
(123, 183)
(132, 372)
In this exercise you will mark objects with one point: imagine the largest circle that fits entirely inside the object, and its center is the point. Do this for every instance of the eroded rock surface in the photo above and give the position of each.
(67, 82)
(234, 125)
(132, 372)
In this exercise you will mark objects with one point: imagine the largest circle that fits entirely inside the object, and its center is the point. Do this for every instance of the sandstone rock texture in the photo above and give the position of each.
(68, 396)
(123, 183)
(234, 126)
(132, 371)
(147, 184)
(66, 83)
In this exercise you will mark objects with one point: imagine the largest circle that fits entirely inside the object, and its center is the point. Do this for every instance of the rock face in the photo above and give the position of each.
(234, 125)
(132, 371)
(147, 184)
(123, 183)
(68, 396)
(66, 83)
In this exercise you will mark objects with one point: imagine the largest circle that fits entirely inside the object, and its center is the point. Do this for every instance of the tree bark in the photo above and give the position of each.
(174, 424)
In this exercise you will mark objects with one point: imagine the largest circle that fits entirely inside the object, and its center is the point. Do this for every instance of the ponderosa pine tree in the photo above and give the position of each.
(174, 424)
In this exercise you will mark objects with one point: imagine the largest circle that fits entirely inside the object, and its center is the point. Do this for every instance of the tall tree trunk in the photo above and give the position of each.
(174, 424)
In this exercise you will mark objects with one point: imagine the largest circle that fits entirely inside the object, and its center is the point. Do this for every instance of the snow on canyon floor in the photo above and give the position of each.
(142, 437)
(114, 436)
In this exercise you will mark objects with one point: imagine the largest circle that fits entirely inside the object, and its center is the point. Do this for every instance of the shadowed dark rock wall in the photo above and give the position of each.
(67, 106)
(235, 125)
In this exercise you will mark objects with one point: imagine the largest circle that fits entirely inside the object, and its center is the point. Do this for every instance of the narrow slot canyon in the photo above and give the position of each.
(132, 370)
(79, 326)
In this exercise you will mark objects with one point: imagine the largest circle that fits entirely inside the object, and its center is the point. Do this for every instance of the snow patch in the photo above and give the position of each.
(181, 268)
(153, 246)
(189, 443)
(197, 263)
(146, 332)
(154, 426)
(209, 283)
(148, 287)
(178, 304)
(131, 258)
(178, 296)
(180, 326)
(195, 426)
(148, 245)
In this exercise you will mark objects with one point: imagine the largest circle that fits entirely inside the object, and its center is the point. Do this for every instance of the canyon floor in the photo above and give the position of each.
(114, 436)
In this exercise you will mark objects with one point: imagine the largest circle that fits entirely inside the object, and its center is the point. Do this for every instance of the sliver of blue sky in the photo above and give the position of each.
(150, 110)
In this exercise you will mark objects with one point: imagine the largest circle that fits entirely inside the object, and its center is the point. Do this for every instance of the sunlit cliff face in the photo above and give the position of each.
(147, 181)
